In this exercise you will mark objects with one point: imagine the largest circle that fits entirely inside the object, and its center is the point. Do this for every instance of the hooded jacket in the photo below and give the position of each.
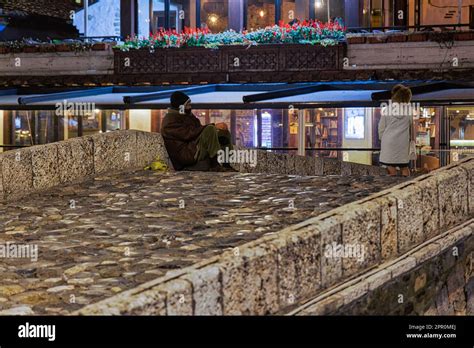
(180, 133)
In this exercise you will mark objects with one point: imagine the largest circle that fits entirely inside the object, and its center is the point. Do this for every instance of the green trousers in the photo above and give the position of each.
(211, 141)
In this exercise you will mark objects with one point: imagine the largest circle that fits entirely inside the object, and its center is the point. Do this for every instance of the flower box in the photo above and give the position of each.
(266, 62)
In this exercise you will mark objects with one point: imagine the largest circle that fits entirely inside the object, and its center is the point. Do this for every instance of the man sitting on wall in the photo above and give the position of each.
(190, 145)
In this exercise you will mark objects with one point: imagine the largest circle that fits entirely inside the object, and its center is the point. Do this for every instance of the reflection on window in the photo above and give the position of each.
(427, 139)
(180, 15)
(246, 128)
(288, 11)
(260, 14)
(461, 127)
(33, 127)
(215, 15)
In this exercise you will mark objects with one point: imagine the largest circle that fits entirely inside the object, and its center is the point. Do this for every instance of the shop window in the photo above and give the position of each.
(427, 139)
(33, 127)
(328, 10)
(461, 131)
(245, 128)
(103, 18)
(260, 13)
(180, 15)
(289, 12)
(215, 15)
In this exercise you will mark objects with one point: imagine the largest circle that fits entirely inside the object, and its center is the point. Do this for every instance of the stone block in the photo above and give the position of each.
(430, 206)
(452, 190)
(276, 163)
(469, 167)
(318, 166)
(304, 165)
(378, 279)
(299, 265)
(346, 169)
(262, 162)
(324, 307)
(149, 302)
(330, 230)
(354, 292)
(376, 171)
(151, 146)
(250, 281)
(361, 237)
(1, 178)
(206, 285)
(409, 217)
(179, 297)
(115, 151)
(402, 266)
(358, 169)
(331, 166)
(45, 163)
(17, 172)
(443, 306)
(388, 227)
(75, 159)
(290, 164)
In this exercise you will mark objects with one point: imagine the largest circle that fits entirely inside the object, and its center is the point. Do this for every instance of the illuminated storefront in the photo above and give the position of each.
(338, 123)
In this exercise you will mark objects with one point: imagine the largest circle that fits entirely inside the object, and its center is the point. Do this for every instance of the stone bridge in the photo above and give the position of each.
(114, 239)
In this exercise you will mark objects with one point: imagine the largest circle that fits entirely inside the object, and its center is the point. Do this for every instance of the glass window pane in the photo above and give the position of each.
(180, 15)
(115, 119)
(288, 11)
(246, 128)
(215, 15)
(260, 14)
(461, 131)
(103, 18)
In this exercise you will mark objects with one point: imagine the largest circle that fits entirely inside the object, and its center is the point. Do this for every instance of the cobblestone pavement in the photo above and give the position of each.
(115, 232)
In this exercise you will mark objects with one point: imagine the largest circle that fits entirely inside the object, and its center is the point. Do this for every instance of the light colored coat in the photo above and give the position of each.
(394, 133)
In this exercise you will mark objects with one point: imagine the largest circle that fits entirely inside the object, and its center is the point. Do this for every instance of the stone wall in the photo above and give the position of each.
(436, 279)
(42, 167)
(278, 163)
(56, 64)
(281, 270)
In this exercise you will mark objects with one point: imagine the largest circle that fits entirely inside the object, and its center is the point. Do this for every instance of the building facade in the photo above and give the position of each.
(141, 17)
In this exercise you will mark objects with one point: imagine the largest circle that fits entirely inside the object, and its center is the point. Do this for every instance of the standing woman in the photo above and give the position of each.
(395, 130)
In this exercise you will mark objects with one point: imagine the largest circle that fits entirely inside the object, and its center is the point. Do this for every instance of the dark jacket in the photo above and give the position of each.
(180, 133)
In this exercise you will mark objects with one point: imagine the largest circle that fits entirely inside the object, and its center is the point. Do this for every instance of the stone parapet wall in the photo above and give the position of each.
(435, 279)
(56, 64)
(41, 167)
(275, 273)
(278, 163)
